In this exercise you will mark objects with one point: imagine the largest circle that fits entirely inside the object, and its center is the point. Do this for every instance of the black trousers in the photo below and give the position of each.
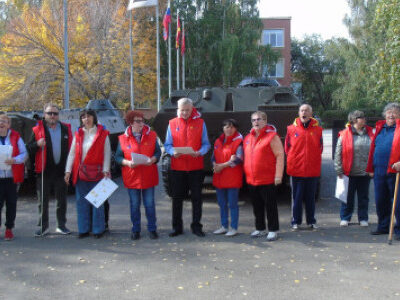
(183, 182)
(264, 199)
(8, 194)
(60, 190)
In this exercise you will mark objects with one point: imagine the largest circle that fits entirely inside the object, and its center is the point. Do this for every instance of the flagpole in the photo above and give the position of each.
(177, 54)
(158, 60)
(131, 59)
(183, 56)
(169, 61)
(66, 62)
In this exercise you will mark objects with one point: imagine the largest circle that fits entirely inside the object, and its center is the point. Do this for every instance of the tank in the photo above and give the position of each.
(217, 104)
(107, 115)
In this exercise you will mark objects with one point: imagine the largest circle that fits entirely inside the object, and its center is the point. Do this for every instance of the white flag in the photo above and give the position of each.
(141, 3)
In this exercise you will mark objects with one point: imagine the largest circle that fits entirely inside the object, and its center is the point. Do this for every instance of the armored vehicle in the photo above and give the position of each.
(217, 104)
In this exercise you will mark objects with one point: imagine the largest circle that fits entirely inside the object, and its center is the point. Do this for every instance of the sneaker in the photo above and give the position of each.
(344, 223)
(231, 232)
(41, 232)
(153, 235)
(295, 227)
(258, 233)
(272, 236)
(221, 230)
(364, 223)
(313, 226)
(8, 236)
(63, 230)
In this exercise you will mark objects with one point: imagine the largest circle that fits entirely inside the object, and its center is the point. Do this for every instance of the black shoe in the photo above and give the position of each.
(83, 235)
(175, 233)
(98, 235)
(153, 235)
(63, 230)
(378, 232)
(41, 232)
(199, 233)
(397, 237)
(135, 236)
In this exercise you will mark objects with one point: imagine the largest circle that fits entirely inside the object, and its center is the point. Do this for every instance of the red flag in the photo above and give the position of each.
(166, 22)
(178, 33)
(183, 44)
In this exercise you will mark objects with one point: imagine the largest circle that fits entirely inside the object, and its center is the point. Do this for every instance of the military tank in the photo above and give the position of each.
(217, 104)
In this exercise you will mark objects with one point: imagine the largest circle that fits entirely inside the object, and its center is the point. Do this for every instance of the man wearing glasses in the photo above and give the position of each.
(49, 145)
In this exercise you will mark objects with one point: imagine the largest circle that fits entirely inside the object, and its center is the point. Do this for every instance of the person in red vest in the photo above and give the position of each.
(89, 161)
(188, 130)
(49, 146)
(139, 177)
(303, 147)
(351, 158)
(228, 175)
(12, 171)
(263, 167)
(383, 164)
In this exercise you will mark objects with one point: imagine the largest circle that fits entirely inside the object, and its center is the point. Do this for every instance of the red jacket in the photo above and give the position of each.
(303, 148)
(347, 147)
(259, 160)
(187, 133)
(140, 177)
(39, 132)
(230, 177)
(18, 170)
(95, 155)
(394, 153)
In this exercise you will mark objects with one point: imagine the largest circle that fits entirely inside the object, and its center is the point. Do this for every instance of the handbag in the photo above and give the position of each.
(90, 172)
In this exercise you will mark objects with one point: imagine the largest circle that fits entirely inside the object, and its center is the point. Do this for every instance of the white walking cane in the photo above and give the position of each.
(393, 210)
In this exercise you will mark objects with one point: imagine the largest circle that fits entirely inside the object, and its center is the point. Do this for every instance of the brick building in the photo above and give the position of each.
(276, 33)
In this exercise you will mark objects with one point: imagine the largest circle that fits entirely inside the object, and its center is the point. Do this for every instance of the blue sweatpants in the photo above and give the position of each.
(303, 190)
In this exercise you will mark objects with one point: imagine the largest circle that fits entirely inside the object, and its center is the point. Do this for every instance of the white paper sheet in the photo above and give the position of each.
(5, 153)
(101, 192)
(342, 188)
(184, 150)
(140, 159)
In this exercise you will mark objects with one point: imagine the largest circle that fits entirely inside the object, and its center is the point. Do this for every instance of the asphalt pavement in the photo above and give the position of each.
(327, 263)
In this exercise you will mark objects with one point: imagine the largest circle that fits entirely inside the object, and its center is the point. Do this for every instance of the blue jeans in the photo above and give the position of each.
(90, 218)
(228, 198)
(384, 190)
(303, 190)
(135, 196)
(359, 184)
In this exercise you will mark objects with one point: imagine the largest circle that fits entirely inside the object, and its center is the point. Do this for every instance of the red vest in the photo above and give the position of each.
(230, 177)
(259, 160)
(347, 147)
(18, 170)
(140, 177)
(303, 149)
(395, 151)
(39, 132)
(187, 133)
(95, 155)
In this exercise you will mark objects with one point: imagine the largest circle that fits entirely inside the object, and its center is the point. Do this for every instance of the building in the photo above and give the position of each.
(276, 33)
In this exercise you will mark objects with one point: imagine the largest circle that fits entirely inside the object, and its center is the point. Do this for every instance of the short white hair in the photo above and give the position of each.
(305, 104)
(185, 101)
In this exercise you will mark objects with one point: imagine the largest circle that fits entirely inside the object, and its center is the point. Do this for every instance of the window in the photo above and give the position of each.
(276, 71)
(273, 37)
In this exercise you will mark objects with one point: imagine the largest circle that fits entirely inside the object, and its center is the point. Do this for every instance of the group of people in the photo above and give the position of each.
(83, 159)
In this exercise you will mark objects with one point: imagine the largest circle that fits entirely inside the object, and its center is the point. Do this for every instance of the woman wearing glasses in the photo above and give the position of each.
(138, 153)
(351, 158)
(263, 166)
(89, 161)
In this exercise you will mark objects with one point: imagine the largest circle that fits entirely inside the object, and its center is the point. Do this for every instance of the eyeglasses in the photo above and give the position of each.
(138, 121)
(256, 120)
(51, 113)
(3, 121)
(360, 118)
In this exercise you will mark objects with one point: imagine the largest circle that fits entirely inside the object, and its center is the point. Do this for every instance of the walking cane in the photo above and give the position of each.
(393, 210)
(41, 193)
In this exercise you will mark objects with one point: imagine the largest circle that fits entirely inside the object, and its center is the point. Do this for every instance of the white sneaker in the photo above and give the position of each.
(231, 232)
(344, 223)
(221, 230)
(313, 226)
(364, 223)
(295, 227)
(272, 236)
(258, 233)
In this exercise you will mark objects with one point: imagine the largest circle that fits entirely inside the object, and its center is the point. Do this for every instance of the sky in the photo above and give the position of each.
(323, 17)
